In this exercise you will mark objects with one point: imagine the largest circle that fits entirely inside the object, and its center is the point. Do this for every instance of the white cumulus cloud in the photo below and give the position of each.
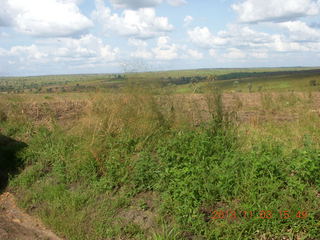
(212, 52)
(187, 20)
(234, 53)
(194, 54)
(177, 3)
(300, 31)
(45, 18)
(137, 42)
(142, 53)
(6, 18)
(141, 23)
(165, 50)
(136, 4)
(280, 43)
(87, 49)
(204, 38)
(141, 49)
(24, 53)
(252, 11)
(263, 54)
(244, 36)
(240, 41)
(88, 46)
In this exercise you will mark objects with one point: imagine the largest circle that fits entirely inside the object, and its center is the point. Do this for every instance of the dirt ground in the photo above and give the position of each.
(17, 225)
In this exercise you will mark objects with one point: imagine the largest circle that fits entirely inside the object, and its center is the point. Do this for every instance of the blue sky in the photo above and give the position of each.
(101, 36)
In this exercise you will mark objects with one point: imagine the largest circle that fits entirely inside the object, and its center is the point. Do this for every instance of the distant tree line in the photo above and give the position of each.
(239, 75)
(185, 80)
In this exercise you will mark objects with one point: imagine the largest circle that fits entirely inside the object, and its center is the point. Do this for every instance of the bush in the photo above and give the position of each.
(313, 83)
(3, 116)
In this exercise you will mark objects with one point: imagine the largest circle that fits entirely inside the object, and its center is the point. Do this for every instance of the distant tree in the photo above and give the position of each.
(3, 116)
(313, 83)
(211, 78)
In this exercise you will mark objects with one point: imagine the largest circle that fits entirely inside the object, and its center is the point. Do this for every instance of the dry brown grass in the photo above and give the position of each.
(142, 113)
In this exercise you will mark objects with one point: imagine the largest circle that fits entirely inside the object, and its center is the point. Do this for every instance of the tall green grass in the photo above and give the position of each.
(134, 168)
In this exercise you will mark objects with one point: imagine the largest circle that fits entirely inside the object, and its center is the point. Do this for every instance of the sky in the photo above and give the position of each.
(44, 37)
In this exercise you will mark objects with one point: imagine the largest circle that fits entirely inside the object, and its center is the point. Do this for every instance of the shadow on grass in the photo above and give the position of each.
(9, 162)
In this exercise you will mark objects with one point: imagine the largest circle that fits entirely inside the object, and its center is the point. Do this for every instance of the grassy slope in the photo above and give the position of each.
(135, 168)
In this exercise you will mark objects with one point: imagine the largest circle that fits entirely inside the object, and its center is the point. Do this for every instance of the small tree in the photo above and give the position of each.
(313, 83)
(3, 116)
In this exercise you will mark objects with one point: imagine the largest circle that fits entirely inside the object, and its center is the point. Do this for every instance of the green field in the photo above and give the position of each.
(184, 80)
(191, 154)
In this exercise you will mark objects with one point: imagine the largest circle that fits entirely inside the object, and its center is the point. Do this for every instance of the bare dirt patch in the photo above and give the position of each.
(17, 225)
(142, 211)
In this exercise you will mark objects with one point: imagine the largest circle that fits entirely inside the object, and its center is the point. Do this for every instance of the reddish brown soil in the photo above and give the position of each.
(17, 225)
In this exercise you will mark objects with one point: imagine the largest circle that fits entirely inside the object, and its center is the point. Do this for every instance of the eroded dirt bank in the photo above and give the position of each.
(15, 224)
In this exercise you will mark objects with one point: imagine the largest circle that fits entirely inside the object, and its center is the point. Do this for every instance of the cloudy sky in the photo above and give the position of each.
(100, 36)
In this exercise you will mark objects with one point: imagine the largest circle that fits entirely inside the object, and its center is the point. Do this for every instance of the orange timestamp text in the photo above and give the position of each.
(263, 214)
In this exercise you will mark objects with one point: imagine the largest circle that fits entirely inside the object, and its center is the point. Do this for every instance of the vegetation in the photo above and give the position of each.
(143, 162)
(185, 81)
